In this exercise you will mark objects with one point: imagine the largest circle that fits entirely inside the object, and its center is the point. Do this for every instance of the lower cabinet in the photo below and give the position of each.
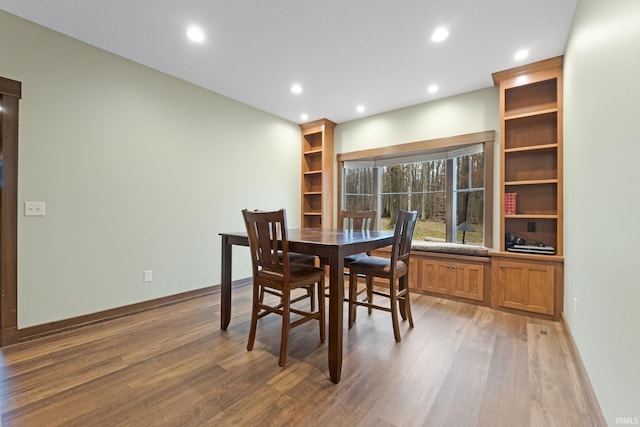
(528, 284)
(460, 279)
(531, 283)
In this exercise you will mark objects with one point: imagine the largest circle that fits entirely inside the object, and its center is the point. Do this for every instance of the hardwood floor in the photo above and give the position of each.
(462, 365)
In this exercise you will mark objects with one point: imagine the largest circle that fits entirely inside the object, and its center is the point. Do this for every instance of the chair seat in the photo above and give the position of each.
(300, 258)
(376, 266)
(348, 260)
(298, 273)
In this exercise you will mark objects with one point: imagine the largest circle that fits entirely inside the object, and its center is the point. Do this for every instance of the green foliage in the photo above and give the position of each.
(435, 231)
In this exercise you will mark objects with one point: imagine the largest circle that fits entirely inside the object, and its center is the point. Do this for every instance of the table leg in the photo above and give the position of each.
(225, 284)
(336, 301)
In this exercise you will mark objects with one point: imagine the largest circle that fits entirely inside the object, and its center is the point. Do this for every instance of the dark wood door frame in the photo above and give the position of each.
(10, 94)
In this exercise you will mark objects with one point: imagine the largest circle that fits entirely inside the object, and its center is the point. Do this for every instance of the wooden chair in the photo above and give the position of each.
(394, 270)
(275, 274)
(297, 258)
(356, 220)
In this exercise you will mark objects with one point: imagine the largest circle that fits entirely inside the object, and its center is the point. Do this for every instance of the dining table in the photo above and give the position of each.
(330, 245)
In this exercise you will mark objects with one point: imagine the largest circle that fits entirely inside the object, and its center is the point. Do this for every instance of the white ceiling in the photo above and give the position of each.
(343, 53)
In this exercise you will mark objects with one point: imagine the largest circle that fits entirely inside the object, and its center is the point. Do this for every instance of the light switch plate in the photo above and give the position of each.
(34, 209)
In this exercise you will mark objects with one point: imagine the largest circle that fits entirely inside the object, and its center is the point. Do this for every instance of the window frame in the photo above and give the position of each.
(486, 138)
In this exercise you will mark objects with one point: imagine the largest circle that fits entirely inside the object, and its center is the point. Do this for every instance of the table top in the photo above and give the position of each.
(326, 236)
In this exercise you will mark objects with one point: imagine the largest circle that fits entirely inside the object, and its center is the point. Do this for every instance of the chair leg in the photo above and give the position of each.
(394, 310)
(255, 306)
(321, 308)
(312, 296)
(407, 304)
(369, 294)
(403, 284)
(285, 328)
(353, 294)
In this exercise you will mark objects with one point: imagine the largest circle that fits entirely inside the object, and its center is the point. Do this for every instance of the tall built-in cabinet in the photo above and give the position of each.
(317, 174)
(530, 187)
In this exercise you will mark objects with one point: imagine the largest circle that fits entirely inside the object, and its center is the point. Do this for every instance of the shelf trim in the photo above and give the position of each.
(313, 151)
(313, 172)
(530, 114)
(532, 182)
(312, 193)
(531, 216)
(532, 148)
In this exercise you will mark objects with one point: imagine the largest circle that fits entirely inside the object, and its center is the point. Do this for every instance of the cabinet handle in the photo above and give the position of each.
(501, 266)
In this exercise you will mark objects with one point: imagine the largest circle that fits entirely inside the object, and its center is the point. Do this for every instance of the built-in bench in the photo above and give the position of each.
(445, 268)
(449, 248)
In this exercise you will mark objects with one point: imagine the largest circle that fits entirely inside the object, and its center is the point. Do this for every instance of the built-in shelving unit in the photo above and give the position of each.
(531, 152)
(531, 188)
(317, 174)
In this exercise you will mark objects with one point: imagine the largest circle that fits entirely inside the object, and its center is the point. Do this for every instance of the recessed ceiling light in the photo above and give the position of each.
(440, 34)
(360, 108)
(195, 34)
(432, 88)
(521, 54)
(296, 88)
(304, 116)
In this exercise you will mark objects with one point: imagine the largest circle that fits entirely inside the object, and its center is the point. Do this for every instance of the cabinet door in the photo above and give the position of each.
(436, 276)
(526, 286)
(468, 281)
(413, 273)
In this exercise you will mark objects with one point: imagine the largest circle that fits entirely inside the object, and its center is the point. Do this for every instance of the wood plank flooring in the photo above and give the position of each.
(462, 365)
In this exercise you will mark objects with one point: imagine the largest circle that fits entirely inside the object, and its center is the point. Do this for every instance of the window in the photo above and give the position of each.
(446, 185)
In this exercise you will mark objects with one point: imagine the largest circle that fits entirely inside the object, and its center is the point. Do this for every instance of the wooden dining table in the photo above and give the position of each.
(330, 245)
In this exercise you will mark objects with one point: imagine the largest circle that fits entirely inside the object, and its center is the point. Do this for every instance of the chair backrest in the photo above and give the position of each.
(357, 220)
(405, 225)
(267, 233)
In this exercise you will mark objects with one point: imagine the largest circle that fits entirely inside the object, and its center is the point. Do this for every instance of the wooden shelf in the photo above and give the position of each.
(532, 182)
(534, 113)
(541, 147)
(531, 216)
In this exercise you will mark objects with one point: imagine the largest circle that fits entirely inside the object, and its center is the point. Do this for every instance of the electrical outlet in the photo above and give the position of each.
(147, 276)
(531, 227)
(34, 209)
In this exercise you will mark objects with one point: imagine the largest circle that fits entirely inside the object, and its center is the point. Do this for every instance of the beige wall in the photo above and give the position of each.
(471, 112)
(601, 176)
(139, 171)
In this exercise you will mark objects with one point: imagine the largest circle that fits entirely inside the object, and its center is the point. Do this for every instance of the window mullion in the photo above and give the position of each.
(450, 201)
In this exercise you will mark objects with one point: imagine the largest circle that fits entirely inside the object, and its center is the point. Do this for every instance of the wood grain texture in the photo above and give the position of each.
(462, 365)
(10, 91)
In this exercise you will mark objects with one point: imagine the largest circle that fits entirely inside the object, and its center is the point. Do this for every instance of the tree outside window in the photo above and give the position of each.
(447, 192)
